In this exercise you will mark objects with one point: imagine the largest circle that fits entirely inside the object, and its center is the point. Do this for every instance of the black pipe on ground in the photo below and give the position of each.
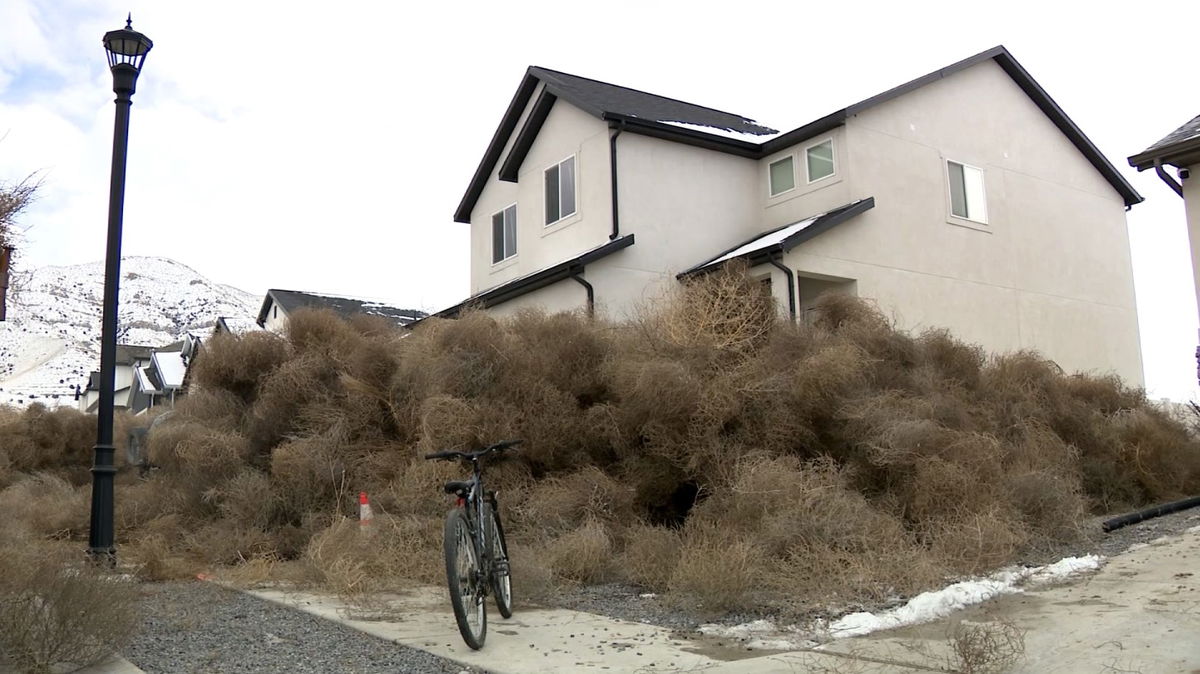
(1150, 513)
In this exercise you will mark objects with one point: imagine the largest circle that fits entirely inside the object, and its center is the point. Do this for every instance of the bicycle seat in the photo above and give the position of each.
(457, 487)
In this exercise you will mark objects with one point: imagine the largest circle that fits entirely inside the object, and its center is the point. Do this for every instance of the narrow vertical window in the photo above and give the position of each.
(782, 175)
(819, 159)
(504, 234)
(560, 190)
(968, 199)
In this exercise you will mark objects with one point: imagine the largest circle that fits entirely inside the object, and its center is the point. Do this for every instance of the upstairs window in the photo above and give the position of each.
(504, 234)
(967, 197)
(560, 190)
(782, 175)
(819, 159)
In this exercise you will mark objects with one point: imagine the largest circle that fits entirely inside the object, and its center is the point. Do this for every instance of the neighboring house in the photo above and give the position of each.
(146, 376)
(126, 393)
(279, 304)
(1181, 149)
(964, 199)
(163, 379)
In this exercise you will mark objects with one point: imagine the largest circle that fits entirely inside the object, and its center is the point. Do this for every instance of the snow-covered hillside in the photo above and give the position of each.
(51, 340)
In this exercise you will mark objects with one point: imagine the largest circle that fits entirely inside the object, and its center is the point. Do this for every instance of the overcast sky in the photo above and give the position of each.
(325, 146)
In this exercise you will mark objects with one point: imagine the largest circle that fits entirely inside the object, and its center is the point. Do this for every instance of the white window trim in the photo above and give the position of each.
(573, 213)
(833, 153)
(774, 195)
(959, 219)
(504, 260)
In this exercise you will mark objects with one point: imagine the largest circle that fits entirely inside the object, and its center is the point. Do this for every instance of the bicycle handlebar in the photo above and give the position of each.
(453, 454)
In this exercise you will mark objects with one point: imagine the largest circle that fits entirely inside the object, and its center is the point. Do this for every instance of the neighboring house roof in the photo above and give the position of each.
(782, 239)
(127, 354)
(291, 300)
(144, 381)
(538, 279)
(168, 368)
(1179, 148)
(666, 118)
(237, 326)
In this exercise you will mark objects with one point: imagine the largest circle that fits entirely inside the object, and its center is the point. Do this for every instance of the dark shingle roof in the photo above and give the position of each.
(1185, 132)
(1182, 141)
(600, 98)
(128, 353)
(290, 300)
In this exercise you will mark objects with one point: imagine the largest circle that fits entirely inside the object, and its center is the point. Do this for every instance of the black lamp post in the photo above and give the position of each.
(127, 50)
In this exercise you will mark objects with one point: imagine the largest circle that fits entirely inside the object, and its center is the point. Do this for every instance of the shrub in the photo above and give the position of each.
(706, 449)
(236, 364)
(53, 612)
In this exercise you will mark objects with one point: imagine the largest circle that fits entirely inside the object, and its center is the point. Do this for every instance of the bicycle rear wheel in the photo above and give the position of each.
(465, 579)
(501, 569)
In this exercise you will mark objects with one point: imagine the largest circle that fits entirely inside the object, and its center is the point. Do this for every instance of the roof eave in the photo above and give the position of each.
(656, 129)
(266, 306)
(532, 282)
(529, 131)
(1068, 127)
(507, 124)
(1180, 155)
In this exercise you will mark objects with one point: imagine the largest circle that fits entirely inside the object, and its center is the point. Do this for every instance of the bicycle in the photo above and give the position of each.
(476, 556)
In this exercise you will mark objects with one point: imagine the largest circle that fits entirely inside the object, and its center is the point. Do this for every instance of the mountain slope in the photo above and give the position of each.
(51, 340)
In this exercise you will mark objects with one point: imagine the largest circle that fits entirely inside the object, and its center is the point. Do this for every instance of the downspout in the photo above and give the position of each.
(616, 127)
(791, 283)
(591, 292)
(1161, 174)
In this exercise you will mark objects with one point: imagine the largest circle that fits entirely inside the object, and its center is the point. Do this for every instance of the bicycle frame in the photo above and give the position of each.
(473, 505)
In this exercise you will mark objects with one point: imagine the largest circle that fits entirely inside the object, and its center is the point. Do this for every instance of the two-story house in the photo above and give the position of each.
(964, 199)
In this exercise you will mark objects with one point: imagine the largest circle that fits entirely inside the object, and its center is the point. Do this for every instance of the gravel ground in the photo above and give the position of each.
(631, 603)
(202, 627)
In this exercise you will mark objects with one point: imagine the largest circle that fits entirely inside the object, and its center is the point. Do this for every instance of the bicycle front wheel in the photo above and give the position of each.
(465, 579)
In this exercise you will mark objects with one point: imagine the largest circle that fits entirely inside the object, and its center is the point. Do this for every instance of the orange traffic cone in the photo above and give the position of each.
(364, 512)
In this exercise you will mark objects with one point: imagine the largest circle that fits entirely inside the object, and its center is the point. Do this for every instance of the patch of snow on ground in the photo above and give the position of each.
(923, 608)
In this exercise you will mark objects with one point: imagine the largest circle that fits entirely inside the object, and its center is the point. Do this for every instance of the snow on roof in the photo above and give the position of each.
(769, 239)
(789, 236)
(171, 368)
(723, 132)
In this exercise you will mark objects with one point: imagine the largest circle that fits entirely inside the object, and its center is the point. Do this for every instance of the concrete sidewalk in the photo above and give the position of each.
(1139, 613)
(550, 641)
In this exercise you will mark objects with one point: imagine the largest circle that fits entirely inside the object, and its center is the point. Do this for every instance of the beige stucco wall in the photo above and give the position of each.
(276, 319)
(1050, 270)
(1191, 198)
(567, 131)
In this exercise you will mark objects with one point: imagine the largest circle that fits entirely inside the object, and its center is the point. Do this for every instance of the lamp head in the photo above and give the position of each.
(127, 47)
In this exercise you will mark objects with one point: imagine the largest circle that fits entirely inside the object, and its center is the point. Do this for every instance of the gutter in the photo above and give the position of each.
(591, 292)
(791, 284)
(617, 128)
(1166, 178)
